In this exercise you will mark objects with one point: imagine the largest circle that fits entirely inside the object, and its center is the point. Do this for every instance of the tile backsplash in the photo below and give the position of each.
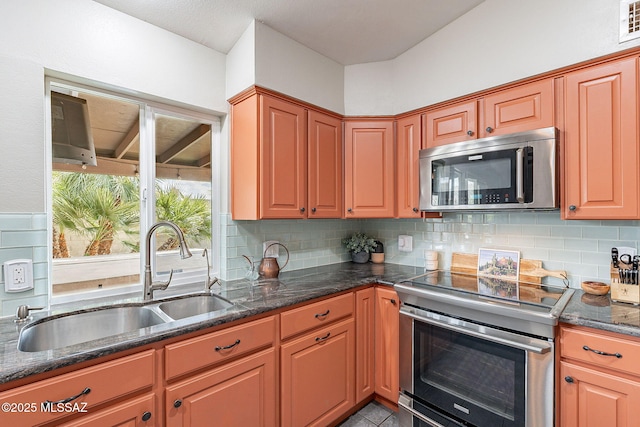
(24, 236)
(582, 248)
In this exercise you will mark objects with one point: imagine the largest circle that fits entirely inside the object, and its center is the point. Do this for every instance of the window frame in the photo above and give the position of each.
(148, 108)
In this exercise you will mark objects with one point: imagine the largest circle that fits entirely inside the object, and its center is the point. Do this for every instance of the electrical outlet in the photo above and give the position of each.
(18, 275)
(405, 243)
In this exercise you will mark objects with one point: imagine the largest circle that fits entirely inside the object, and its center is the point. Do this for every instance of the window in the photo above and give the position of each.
(146, 163)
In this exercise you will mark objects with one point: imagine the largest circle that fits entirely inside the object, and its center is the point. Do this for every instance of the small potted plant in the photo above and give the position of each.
(360, 245)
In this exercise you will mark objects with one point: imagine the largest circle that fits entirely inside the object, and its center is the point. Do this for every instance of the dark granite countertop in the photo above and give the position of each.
(252, 298)
(601, 313)
(249, 298)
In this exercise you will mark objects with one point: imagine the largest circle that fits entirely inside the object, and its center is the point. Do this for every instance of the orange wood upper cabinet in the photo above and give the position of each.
(601, 142)
(409, 140)
(365, 359)
(596, 389)
(325, 166)
(455, 123)
(240, 393)
(387, 346)
(317, 376)
(520, 108)
(286, 161)
(369, 169)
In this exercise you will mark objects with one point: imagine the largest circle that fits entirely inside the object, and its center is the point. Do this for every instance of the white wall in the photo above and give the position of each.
(497, 42)
(241, 62)
(83, 38)
(286, 66)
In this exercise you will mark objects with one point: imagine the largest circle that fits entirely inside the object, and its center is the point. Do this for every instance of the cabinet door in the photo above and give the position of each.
(284, 159)
(369, 169)
(325, 166)
(590, 398)
(317, 376)
(387, 347)
(518, 109)
(601, 142)
(138, 412)
(451, 124)
(408, 167)
(241, 393)
(365, 315)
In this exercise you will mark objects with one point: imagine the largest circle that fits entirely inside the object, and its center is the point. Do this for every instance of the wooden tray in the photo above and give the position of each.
(531, 271)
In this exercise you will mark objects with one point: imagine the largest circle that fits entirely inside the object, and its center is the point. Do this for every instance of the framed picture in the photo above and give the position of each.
(499, 263)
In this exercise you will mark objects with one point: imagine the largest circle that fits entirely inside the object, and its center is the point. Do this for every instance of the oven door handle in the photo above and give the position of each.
(406, 402)
(519, 345)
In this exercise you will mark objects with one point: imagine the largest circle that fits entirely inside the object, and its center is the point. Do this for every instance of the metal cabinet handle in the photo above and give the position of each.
(302, 209)
(313, 210)
(393, 301)
(416, 210)
(572, 207)
(227, 347)
(601, 353)
(470, 132)
(146, 416)
(69, 399)
(489, 129)
(177, 403)
(325, 314)
(568, 379)
(349, 210)
(318, 339)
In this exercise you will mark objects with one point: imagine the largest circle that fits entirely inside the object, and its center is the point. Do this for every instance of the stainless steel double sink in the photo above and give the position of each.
(56, 332)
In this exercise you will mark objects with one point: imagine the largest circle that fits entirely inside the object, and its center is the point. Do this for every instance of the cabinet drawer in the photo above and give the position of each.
(106, 381)
(582, 345)
(314, 315)
(196, 353)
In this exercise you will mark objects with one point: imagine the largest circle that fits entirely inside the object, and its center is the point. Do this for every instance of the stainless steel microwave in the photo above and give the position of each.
(516, 171)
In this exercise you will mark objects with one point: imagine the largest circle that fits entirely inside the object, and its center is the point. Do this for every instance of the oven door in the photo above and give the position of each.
(474, 374)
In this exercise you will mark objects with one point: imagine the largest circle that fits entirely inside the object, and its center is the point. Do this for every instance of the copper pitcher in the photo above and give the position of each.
(269, 268)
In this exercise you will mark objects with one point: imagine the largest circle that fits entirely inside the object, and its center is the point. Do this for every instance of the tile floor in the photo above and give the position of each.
(374, 414)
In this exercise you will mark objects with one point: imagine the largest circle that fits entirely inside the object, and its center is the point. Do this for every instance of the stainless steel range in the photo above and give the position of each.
(477, 351)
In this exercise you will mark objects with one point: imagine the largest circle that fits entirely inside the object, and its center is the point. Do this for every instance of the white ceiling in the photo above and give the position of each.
(347, 31)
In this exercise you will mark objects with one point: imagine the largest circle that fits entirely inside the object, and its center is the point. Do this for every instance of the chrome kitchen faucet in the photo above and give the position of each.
(149, 285)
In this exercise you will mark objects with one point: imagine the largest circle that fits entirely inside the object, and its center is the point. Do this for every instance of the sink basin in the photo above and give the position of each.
(83, 327)
(192, 306)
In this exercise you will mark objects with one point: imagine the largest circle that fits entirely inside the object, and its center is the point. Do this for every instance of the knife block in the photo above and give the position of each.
(621, 292)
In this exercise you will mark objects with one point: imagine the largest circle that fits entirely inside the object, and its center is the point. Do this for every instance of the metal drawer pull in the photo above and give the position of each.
(601, 353)
(146, 416)
(325, 314)
(69, 399)
(318, 339)
(227, 347)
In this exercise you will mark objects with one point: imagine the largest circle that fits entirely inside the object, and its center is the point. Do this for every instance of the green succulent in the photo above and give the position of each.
(360, 242)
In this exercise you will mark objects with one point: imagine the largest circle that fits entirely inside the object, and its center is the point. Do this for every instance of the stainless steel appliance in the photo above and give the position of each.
(516, 171)
(477, 351)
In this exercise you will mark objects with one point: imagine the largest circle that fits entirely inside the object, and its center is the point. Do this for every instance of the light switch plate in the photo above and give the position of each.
(405, 243)
(18, 275)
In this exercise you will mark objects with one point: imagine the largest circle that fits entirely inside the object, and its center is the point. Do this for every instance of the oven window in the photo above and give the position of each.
(472, 379)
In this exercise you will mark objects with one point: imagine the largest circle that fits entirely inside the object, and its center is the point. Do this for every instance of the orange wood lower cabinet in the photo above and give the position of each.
(317, 373)
(365, 313)
(240, 393)
(387, 346)
(591, 398)
(137, 412)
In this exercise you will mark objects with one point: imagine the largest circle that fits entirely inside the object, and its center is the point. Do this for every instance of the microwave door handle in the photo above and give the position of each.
(520, 175)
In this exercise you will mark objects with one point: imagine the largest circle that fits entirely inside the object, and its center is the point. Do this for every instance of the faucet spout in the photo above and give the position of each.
(149, 285)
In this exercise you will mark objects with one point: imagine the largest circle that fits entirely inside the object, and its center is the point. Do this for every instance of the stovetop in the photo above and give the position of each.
(524, 307)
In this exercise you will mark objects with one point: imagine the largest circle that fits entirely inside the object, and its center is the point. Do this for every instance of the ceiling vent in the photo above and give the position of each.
(629, 20)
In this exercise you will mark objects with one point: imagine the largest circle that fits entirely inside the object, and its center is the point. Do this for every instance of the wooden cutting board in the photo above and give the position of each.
(531, 270)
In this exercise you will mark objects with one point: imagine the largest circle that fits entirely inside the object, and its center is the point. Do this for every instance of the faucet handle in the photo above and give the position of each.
(22, 313)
